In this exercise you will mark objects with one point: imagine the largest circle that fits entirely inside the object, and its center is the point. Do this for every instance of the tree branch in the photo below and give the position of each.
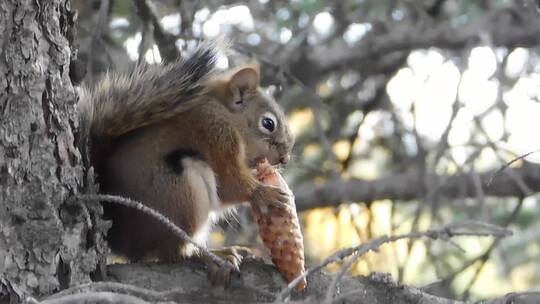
(505, 27)
(186, 281)
(164, 40)
(407, 187)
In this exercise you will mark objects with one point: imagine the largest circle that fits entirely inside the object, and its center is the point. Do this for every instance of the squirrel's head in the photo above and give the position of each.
(261, 121)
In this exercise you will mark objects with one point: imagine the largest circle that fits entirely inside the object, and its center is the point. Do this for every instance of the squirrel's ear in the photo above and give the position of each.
(244, 79)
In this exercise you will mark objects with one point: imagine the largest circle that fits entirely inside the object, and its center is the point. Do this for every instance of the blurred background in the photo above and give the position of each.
(406, 115)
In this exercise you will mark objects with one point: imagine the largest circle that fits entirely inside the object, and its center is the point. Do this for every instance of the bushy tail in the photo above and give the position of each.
(120, 103)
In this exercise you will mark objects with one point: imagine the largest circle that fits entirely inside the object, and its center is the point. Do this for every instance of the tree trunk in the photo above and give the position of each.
(45, 242)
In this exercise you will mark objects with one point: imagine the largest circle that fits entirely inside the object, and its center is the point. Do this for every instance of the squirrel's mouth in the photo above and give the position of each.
(253, 163)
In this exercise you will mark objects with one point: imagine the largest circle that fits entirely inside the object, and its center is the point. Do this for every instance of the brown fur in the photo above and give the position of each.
(229, 139)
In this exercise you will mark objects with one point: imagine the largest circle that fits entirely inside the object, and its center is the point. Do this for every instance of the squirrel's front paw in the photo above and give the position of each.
(270, 196)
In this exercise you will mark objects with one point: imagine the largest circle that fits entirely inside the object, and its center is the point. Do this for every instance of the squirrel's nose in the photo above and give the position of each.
(285, 159)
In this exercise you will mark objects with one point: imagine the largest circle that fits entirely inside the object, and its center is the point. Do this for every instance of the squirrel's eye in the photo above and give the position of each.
(268, 123)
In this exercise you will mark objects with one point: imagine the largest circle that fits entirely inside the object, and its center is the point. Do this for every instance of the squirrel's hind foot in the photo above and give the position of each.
(235, 255)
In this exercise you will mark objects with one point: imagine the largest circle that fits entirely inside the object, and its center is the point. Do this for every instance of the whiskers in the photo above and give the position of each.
(230, 217)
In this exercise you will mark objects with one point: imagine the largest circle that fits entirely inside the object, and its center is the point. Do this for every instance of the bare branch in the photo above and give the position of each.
(165, 41)
(163, 219)
(469, 228)
(503, 27)
(97, 287)
(95, 297)
(407, 187)
(508, 164)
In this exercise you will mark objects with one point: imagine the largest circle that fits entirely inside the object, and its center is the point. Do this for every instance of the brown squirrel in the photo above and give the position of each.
(182, 139)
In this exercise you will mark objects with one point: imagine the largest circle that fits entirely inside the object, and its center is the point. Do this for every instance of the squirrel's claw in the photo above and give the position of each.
(221, 276)
(270, 196)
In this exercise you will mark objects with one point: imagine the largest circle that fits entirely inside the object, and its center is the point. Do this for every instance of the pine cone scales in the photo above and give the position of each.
(280, 230)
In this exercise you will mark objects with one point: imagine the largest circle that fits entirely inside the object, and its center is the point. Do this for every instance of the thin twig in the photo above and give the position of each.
(511, 218)
(164, 40)
(132, 290)
(96, 34)
(327, 146)
(451, 230)
(513, 296)
(508, 164)
(163, 219)
(337, 278)
(95, 297)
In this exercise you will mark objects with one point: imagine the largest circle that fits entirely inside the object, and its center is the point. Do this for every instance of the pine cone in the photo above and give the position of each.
(279, 228)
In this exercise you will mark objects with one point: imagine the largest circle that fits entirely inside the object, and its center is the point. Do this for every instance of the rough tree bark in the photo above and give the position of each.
(45, 244)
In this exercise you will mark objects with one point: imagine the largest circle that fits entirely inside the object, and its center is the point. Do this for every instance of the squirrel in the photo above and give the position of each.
(182, 139)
